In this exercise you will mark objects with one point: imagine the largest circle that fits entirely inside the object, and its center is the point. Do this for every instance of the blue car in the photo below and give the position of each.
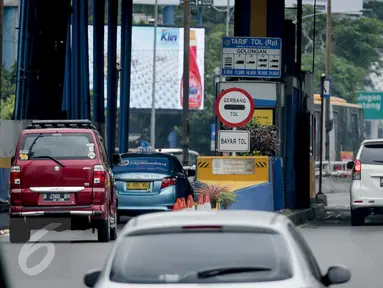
(149, 182)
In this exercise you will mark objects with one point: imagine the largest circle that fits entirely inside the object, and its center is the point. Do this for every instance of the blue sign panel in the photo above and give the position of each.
(326, 89)
(251, 57)
(212, 132)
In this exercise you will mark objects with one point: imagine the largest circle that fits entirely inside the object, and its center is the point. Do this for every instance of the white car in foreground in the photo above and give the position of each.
(366, 194)
(222, 248)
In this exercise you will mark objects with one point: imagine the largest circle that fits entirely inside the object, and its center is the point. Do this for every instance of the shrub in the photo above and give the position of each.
(264, 139)
(213, 190)
(226, 198)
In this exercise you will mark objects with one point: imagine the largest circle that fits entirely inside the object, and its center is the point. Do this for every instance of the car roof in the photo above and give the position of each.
(372, 141)
(148, 154)
(57, 130)
(174, 150)
(240, 218)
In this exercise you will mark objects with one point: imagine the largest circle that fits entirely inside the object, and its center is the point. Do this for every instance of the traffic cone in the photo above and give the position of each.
(183, 204)
(207, 203)
(190, 203)
(176, 206)
(201, 205)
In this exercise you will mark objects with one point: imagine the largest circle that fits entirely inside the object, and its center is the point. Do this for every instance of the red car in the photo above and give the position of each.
(61, 177)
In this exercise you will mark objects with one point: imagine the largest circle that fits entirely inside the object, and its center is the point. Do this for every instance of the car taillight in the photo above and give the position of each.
(99, 184)
(99, 174)
(15, 177)
(356, 174)
(166, 182)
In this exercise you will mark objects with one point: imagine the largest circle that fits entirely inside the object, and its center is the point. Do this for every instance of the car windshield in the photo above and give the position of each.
(58, 146)
(372, 154)
(144, 165)
(159, 258)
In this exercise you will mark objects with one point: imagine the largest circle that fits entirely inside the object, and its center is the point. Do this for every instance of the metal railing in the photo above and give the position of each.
(333, 169)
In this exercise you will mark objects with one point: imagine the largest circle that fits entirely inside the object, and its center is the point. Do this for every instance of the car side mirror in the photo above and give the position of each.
(91, 278)
(191, 173)
(116, 160)
(336, 275)
(12, 160)
(350, 165)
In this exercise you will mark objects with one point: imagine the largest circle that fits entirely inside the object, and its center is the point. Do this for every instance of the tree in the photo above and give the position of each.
(355, 52)
(7, 98)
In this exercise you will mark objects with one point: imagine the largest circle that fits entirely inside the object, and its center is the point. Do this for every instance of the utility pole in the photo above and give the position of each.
(1, 45)
(328, 75)
(228, 18)
(185, 122)
(153, 112)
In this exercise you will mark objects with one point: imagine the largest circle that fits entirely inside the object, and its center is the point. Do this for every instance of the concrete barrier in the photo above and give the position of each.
(257, 197)
(233, 172)
(247, 176)
(334, 185)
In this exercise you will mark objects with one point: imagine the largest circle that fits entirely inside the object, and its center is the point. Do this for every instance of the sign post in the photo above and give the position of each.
(234, 108)
(251, 57)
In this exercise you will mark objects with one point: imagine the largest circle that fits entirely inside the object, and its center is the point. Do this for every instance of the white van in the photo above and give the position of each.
(366, 193)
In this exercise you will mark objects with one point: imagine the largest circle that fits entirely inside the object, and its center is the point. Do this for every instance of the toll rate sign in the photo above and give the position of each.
(251, 57)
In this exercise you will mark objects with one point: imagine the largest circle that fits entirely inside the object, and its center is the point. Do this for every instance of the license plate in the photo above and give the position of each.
(138, 186)
(56, 197)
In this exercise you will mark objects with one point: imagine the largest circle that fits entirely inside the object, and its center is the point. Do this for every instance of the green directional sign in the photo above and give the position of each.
(372, 104)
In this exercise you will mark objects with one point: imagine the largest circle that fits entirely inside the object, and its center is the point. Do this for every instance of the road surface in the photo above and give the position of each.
(332, 240)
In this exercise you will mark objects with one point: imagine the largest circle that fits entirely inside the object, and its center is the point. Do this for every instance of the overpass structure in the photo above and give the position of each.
(53, 72)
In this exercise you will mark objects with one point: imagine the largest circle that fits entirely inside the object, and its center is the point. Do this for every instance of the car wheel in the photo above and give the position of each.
(357, 217)
(113, 230)
(19, 232)
(103, 231)
(119, 217)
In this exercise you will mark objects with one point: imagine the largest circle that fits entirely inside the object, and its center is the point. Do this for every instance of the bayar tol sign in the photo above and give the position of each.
(233, 141)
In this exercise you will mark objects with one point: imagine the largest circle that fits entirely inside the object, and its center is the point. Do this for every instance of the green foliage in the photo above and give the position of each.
(226, 198)
(356, 42)
(7, 97)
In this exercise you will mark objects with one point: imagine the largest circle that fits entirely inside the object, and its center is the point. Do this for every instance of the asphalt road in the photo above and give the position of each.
(332, 240)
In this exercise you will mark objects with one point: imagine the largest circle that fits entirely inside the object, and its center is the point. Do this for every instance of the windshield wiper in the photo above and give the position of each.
(34, 142)
(48, 157)
(209, 273)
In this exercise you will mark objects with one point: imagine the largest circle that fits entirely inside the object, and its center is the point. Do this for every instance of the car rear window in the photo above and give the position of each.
(159, 258)
(144, 164)
(58, 146)
(372, 154)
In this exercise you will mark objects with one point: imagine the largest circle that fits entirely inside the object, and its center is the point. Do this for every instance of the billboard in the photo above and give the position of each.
(337, 6)
(169, 67)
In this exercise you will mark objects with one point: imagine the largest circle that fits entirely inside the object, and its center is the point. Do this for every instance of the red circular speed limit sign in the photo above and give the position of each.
(234, 107)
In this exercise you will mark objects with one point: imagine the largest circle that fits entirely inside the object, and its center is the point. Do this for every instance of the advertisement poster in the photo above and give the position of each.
(346, 156)
(169, 67)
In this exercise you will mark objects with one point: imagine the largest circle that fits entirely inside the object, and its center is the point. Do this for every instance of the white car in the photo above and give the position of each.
(198, 249)
(193, 155)
(366, 192)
